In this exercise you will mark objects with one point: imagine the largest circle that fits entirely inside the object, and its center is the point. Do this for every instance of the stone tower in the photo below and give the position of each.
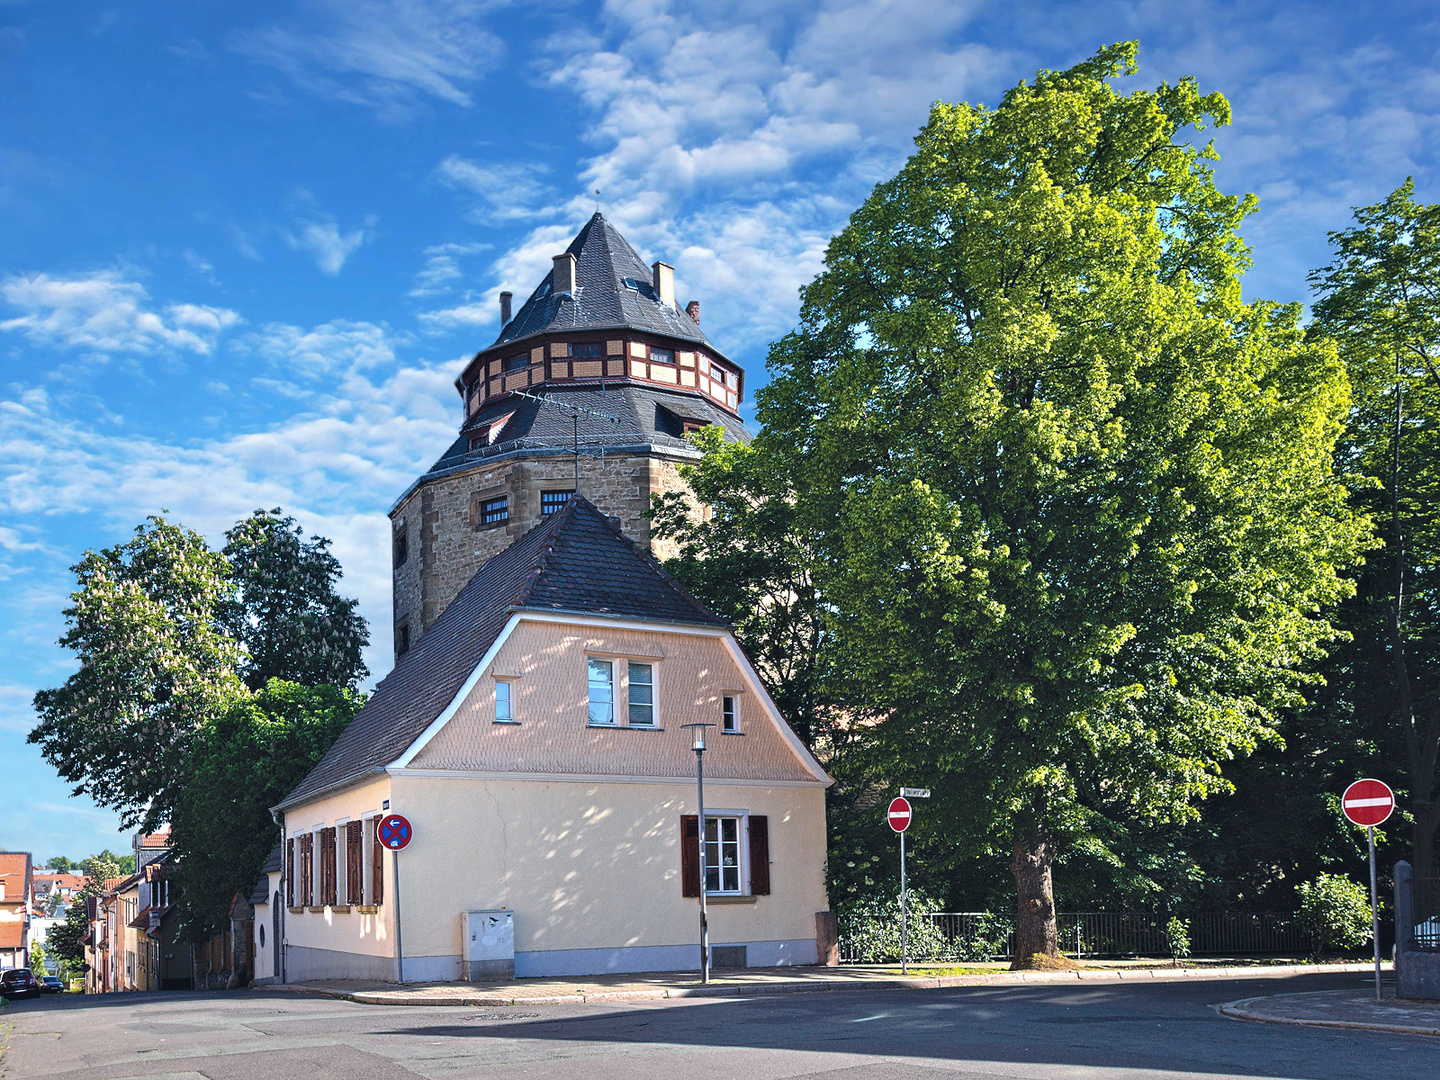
(594, 382)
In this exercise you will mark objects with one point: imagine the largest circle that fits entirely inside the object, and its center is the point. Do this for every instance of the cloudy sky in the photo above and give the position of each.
(244, 248)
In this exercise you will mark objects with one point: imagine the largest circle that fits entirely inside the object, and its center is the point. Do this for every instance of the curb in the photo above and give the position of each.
(1003, 978)
(1236, 1010)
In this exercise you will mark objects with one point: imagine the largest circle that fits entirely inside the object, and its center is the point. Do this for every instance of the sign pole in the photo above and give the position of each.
(399, 944)
(1374, 912)
(904, 939)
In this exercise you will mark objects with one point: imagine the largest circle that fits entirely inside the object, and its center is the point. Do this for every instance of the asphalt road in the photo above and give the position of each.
(1096, 1032)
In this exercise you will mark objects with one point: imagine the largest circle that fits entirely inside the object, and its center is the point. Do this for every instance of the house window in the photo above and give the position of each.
(480, 438)
(551, 501)
(515, 363)
(727, 714)
(662, 356)
(495, 511)
(602, 692)
(504, 710)
(402, 546)
(641, 695)
(588, 348)
(722, 854)
(402, 639)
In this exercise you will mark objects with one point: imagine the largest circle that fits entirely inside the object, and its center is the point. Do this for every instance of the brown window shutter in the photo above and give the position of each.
(289, 873)
(327, 867)
(354, 879)
(379, 865)
(689, 855)
(759, 855)
(307, 869)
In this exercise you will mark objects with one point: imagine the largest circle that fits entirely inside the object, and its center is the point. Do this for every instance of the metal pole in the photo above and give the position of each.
(904, 938)
(399, 943)
(1374, 912)
(704, 924)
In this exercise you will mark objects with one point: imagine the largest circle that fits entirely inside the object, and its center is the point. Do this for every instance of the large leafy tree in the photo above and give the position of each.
(284, 611)
(153, 666)
(242, 762)
(1380, 299)
(1074, 501)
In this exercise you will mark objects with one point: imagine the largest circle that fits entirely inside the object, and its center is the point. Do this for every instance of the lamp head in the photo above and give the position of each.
(697, 743)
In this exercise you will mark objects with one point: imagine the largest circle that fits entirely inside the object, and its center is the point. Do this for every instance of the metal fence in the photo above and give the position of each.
(1425, 911)
(975, 935)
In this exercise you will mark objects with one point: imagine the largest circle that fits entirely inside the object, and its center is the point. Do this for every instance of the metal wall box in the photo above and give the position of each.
(488, 945)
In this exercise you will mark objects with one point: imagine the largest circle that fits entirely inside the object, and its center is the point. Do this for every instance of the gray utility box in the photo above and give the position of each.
(487, 950)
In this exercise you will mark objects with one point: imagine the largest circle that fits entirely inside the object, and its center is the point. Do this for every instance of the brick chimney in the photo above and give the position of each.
(505, 299)
(564, 281)
(693, 310)
(663, 279)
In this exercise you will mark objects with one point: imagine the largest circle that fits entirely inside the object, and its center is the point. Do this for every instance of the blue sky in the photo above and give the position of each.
(245, 248)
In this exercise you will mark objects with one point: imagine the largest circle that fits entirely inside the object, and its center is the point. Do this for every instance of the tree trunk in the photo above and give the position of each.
(1035, 930)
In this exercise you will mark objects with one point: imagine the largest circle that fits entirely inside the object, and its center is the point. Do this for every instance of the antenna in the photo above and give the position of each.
(575, 413)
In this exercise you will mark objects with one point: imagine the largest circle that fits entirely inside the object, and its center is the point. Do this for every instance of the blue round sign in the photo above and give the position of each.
(395, 832)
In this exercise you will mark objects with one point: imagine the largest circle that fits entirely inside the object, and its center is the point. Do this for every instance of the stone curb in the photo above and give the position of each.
(1236, 1010)
(816, 986)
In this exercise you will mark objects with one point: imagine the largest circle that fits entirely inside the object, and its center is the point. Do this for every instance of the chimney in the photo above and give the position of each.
(564, 281)
(664, 281)
(505, 299)
(693, 310)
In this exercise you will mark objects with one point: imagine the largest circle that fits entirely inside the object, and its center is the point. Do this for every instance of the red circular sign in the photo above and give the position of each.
(899, 815)
(1367, 802)
(395, 832)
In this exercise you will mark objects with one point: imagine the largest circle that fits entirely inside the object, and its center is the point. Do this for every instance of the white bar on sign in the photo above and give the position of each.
(1368, 802)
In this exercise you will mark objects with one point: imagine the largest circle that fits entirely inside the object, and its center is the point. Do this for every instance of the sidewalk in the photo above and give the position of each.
(760, 981)
(1356, 1009)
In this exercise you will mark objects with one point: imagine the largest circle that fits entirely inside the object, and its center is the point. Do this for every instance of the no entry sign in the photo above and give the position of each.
(395, 832)
(1368, 802)
(898, 815)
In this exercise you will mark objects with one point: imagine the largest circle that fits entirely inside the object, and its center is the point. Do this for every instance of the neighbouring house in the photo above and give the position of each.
(54, 891)
(16, 898)
(534, 737)
(267, 908)
(165, 963)
(112, 948)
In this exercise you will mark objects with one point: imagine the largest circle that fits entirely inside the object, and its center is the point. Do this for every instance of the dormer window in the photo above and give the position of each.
(479, 438)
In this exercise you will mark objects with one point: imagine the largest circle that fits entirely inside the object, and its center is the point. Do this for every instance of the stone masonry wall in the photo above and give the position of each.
(446, 542)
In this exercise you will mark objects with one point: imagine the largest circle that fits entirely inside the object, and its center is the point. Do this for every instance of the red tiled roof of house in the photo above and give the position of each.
(13, 862)
(160, 839)
(59, 881)
(12, 931)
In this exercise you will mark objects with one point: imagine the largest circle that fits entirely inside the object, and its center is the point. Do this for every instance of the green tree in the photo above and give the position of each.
(153, 666)
(105, 865)
(64, 939)
(284, 610)
(1337, 911)
(1073, 499)
(242, 762)
(1380, 300)
(61, 865)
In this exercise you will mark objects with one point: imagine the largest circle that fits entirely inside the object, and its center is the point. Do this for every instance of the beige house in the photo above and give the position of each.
(533, 739)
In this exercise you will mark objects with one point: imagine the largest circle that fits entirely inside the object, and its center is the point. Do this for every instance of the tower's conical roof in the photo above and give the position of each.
(613, 289)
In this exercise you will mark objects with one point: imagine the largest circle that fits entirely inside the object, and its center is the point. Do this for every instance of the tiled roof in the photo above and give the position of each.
(120, 884)
(613, 289)
(45, 882)
(575, 560)
(160, 839)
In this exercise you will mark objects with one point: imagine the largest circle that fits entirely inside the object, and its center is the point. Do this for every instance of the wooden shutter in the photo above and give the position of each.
(379, 866)
(327, 867)
(759, 855)
(689, 855)
(354, 876)
(307, 869)
(289, 873)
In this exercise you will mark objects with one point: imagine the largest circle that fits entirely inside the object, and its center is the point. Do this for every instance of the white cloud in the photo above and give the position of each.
(442, 268)
(337, 346)
(507, 190)
(386, 55)
(327, 244)
(103, 311)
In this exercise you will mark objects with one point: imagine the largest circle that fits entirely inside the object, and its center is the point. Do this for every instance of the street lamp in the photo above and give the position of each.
(698, 745)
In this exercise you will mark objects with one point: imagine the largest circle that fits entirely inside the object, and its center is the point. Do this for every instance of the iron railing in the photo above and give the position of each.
(972, 935)
(1425, 911)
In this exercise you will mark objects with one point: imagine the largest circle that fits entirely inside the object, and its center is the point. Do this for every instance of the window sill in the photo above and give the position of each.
(728, 898)
(295, 910)
(508, 723)
(627, 727)
(732, 733)
(339, 908)
(316, 909)
(368, 909)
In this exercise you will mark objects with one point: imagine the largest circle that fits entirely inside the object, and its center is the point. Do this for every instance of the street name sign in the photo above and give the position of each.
(898, 815)
(1368, 802)
(395, 832)
(915, 792)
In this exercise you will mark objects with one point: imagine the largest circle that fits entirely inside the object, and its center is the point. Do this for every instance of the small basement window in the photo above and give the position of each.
(495, 511)
(662, 356)
(552, 501)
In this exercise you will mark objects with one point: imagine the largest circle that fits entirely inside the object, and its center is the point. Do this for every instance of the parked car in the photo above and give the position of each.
(51, 984)
(19, 983)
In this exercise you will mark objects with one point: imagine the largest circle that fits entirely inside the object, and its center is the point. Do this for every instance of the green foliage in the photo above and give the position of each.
(1177, 933)
(1380, 300)
(152, 667)
(64, 939)
(61, 865)
(241, 763)
(1337, 911)
(101, 868)
(37, 957)
(284, 610)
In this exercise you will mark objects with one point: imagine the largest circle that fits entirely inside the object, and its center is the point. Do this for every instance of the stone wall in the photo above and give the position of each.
(446, 541)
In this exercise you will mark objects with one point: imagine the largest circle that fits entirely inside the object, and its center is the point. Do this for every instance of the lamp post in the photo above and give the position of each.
(698, 745)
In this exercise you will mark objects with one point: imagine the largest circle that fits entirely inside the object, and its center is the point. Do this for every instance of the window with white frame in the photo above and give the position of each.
(722, 854)
(602, 692)
(641, 694)
(728, 723)
(504, 706)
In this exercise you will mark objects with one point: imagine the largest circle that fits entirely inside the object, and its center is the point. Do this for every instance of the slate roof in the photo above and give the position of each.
(645, 417)
(575, 560)
(613, 289)
(274, 862)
